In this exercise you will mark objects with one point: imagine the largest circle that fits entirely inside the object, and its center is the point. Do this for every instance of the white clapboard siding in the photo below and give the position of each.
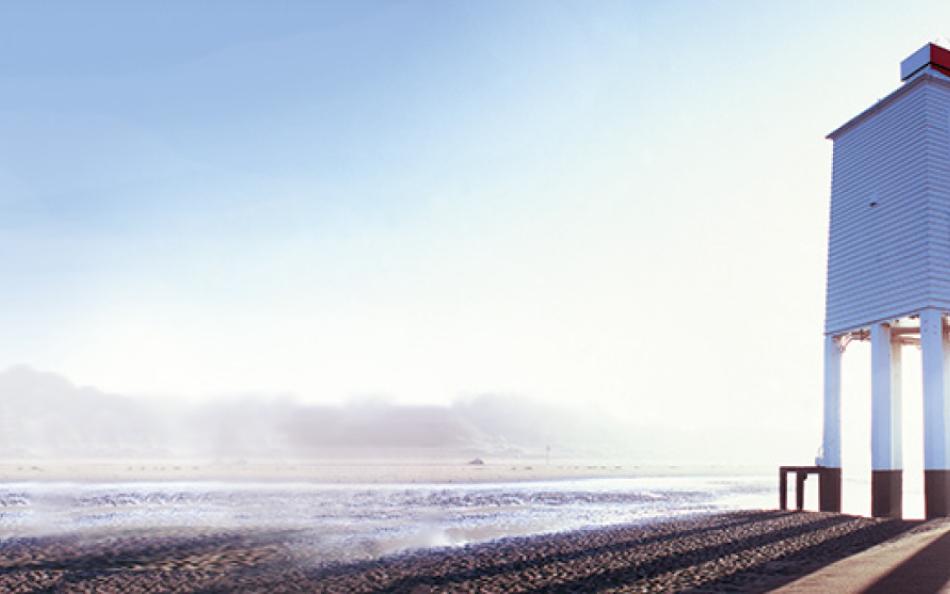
(893, 259)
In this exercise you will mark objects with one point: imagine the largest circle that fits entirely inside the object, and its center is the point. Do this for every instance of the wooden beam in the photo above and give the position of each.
(800, 490)
(899, 331)
(782, 489)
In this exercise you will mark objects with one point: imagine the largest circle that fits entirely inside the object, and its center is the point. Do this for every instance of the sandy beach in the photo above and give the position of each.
(749, 551)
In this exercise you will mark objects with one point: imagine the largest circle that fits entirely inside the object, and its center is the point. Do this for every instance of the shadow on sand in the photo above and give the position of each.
(657, 553)
(927, 571)
(781, 570)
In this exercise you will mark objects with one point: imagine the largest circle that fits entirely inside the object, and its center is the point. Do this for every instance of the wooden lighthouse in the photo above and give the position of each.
(889, 276)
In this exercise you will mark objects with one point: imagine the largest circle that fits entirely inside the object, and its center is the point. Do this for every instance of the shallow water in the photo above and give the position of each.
(350, 522)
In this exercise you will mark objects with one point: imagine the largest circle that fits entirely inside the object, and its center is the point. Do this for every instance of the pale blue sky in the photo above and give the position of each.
(617, 204)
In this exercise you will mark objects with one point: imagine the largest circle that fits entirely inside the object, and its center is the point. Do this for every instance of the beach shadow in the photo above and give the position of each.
(779, 571)
(926, 572)
(497, 565)
(676, 561)
(632, 572)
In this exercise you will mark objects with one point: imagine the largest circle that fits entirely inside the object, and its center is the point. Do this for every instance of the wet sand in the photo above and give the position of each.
(741, 551)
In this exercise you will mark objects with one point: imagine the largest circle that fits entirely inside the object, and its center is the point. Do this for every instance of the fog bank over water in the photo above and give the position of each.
(45, 416)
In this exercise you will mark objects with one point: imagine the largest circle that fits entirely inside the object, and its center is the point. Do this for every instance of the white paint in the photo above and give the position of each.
(935, 357)
(915, 62)
(889, 238)
(885, 400)
(831, 429)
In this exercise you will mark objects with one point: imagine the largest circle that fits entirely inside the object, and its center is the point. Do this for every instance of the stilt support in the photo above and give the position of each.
(829, 489)
(935, 355)
(829, 481)
(886, 457)
(886, 493)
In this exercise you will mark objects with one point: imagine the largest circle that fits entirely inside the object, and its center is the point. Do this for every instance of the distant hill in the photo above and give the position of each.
(44, 415)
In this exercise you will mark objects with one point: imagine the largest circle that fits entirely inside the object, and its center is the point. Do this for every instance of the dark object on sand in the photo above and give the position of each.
(829, 487)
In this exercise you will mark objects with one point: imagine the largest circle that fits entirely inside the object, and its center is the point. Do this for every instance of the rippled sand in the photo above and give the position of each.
(741, 551)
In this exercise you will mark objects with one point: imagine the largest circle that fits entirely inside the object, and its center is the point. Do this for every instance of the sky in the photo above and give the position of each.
(618, 206)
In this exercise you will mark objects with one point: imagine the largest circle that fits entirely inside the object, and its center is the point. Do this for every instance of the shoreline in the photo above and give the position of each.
(349, 473)
(747, 551)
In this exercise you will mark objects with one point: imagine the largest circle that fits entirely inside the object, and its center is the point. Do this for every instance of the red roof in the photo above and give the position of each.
(940, 59)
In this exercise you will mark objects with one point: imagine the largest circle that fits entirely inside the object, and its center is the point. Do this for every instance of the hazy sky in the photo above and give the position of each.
(615, 205)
